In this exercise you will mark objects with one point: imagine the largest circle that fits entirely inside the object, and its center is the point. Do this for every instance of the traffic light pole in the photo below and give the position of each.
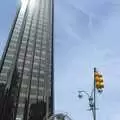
(94, 111)
(92, 96)
(97, 85)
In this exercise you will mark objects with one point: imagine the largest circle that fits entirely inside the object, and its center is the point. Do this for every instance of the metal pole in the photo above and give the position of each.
(94, 111)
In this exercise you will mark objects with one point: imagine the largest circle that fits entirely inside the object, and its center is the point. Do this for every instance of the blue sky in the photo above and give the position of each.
(86, 36)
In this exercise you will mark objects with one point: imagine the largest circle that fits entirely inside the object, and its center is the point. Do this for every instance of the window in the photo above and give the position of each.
(41, 96)
(23, 47)
(17, 26)
(19, 21)
(32, 38)
(36, 65)
(25, 76)
(37, 57)
(43, 61)
(22, 94)
(36, 60)
(26, 69)
(21, 105)
(35, 71)
(34, 78)
(30, 44)
(27, 62)
(22, 100)
(14, 39)
(10, 55)
(41, 92)
(24, 85)
(7, 64)
(41, 83)
(38, 45)
(20, 67)
(3, 74)
(25, 36)
(37, 53)
(21, 53)
(12, 50)
(33, 91)
(43, 46)
(35, 74)
(16, 31)
(27, 27)
(8, 61)
(12, 45)
(15, 35)
(24, 41)
(28, 23)
(34, 25)
(3, 79)
(32, 33)
(42, 66)
(32, 100)
(29, 55)
(43, 52)
(21, 57)
(20, 111)
(38, 41)
(39, 36)
(32, 96)
(34, 83)
(25, 82)
(23, 90)
(42, 72)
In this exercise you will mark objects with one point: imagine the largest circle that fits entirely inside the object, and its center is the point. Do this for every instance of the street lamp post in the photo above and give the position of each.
(90, 99)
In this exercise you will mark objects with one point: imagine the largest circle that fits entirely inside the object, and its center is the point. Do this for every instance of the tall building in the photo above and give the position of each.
(29, 51)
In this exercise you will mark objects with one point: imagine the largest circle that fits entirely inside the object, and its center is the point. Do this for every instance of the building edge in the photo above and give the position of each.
(9, 38)
(53, 107)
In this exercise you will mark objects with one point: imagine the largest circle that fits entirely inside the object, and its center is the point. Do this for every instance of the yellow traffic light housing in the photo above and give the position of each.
(99, 80)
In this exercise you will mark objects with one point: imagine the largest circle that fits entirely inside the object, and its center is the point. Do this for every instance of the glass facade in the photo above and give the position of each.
(30, 48)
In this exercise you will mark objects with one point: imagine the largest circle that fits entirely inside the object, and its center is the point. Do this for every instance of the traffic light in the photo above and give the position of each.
(99, 80)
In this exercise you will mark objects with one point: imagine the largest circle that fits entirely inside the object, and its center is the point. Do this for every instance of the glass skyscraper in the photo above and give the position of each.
(29, 51)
